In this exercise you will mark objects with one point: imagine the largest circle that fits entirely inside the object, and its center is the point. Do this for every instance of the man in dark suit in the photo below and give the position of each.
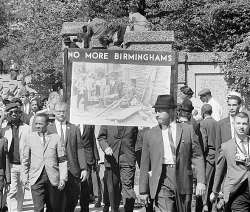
(168, 152)
(138, 144)
(225, 127)
(208, 130)
(92, 155)
(233, 168)
(74, 148)
(118, 143)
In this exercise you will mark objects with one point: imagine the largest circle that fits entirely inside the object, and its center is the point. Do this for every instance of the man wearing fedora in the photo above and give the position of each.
(206, 98)
(187, 93)
(168, 152)
(15, 131)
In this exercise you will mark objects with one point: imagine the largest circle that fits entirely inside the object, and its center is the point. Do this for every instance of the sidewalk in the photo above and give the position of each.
(28, 204)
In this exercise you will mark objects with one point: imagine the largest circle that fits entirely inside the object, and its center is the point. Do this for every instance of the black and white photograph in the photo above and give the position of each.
(116, 94)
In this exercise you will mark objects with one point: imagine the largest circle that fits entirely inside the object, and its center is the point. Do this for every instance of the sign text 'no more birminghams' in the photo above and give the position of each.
(160, 58)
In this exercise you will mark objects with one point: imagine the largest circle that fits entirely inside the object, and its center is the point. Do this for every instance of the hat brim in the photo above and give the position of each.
(164, 106)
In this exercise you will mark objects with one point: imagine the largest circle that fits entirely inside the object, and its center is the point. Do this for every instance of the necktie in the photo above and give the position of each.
(62, 135)
(172, 145)
(44, 140)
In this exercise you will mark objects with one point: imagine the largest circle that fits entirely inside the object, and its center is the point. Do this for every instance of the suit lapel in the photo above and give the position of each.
(228, 127)
(158, 135)
(38, 138)
(178, 134)
(8, 135)
(47, 142)
(67, 133)
(20, 131)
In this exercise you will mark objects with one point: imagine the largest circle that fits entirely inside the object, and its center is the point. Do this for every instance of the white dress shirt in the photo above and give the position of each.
(168, 156)
(197, 104)
(245, 143)
(41, 136)
(217, 109)
(232, 126)
(58, 128)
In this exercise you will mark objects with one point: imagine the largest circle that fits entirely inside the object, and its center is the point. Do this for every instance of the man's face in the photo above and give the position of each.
(233, 107)
(204, 98)
(241, 125)
(164, 115)
(183, 119)
(40, 124)
(23, 98)
(10, 98)
(14, 114)
(34, 106)
(60, 113)
(31, 96)
(183, 96)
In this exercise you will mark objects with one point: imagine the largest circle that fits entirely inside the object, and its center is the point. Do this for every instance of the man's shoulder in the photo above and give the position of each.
(223, 121)
(152, 131)
(31, 135)
(228, 143)
(208, 120)
(54, 136)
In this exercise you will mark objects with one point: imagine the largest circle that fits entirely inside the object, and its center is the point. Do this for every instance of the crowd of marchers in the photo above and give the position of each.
(192, 152)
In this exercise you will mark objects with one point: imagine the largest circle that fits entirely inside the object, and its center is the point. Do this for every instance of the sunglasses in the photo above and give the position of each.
(13, 111)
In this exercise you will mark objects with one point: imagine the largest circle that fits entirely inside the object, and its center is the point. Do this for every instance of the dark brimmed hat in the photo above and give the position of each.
(6, 101)
(165, 101)
(15, 100)
(67, 39)
(187, 105)
(11, 106)
(186, 90)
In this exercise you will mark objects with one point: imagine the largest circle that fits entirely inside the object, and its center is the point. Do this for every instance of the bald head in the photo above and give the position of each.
(206, 110)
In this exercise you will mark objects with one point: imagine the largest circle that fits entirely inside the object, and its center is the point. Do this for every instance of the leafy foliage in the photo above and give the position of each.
(34, 41)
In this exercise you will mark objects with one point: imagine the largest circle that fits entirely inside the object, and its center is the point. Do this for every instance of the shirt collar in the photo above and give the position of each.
(239, 141)
(207, 117)
(58, 123)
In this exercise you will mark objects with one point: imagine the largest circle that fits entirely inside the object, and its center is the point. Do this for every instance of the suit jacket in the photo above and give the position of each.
(89, 143)
(223, 133)
(24, 130)
(74, 148)
(4, 159)
(139, 140)
(109, 137)
(188, 152)
(208, 130)
(36, 156)
(236, 173)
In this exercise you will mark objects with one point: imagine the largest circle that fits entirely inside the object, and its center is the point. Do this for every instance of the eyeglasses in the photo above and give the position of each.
(13, 111)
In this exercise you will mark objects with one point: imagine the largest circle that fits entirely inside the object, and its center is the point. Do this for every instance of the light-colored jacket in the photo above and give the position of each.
(50, 156)
(24, 130)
